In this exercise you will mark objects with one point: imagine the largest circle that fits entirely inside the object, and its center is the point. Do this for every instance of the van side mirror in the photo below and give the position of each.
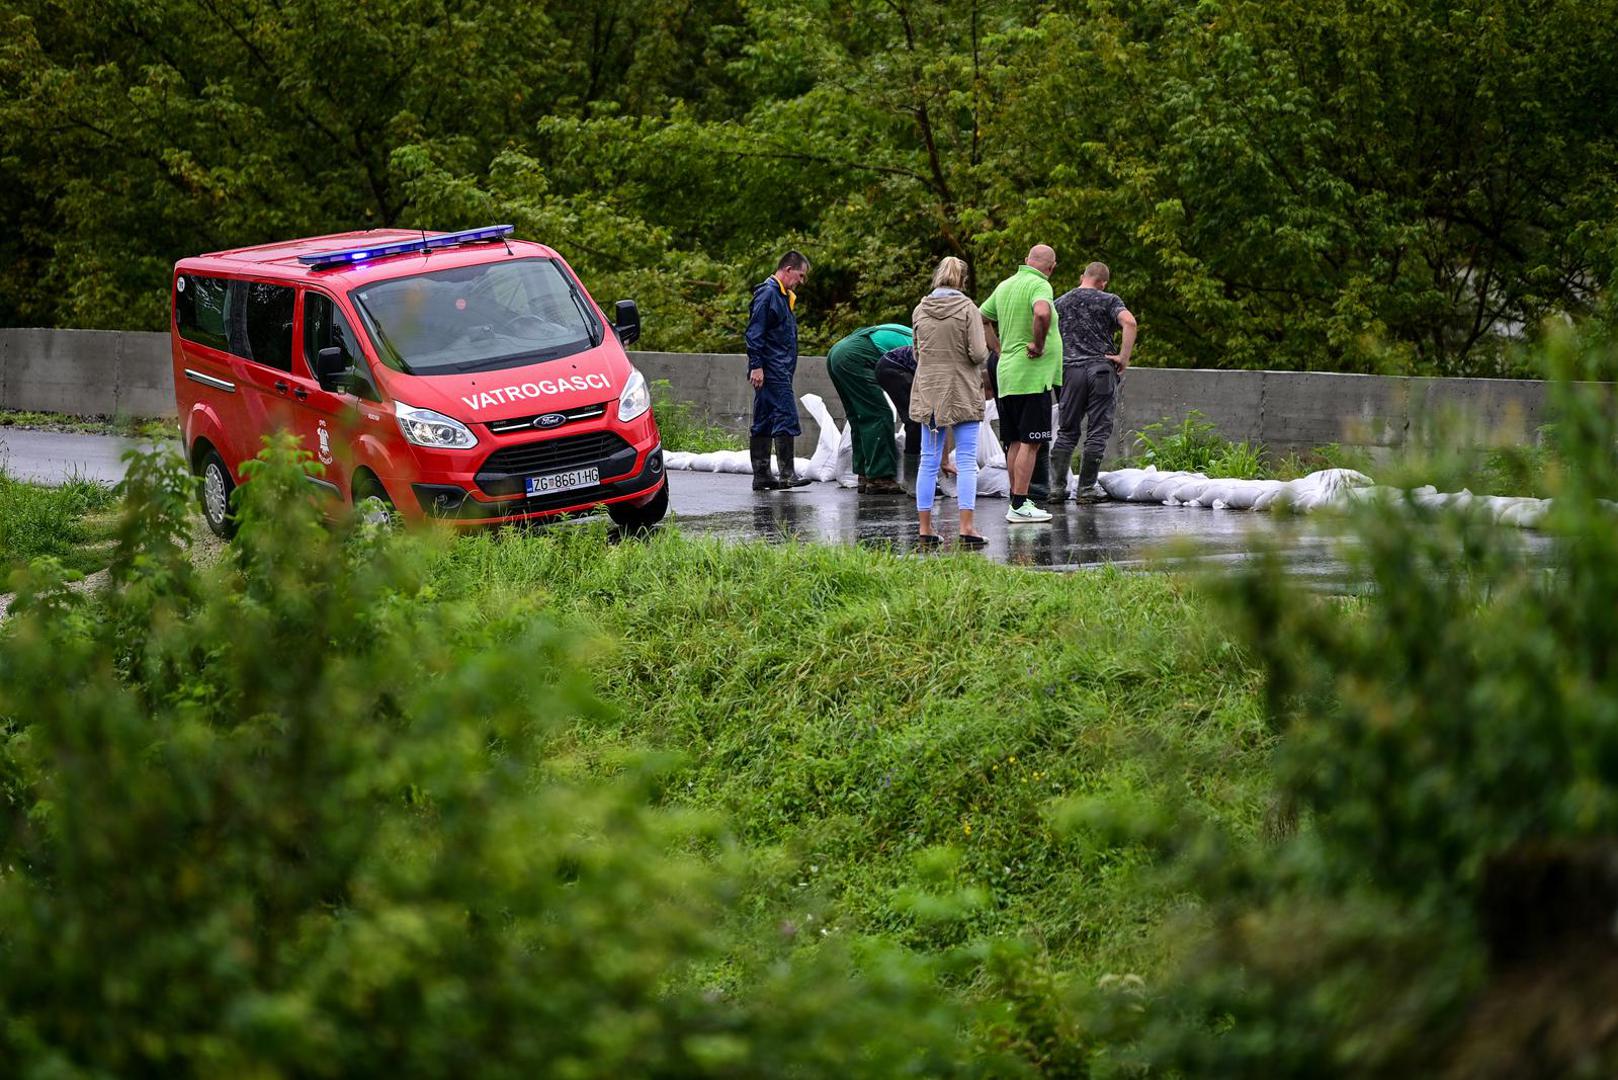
(626, 321)
(331, 368)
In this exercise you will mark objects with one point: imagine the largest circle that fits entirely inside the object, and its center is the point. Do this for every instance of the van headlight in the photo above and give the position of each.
(636, 398)
(424, 427)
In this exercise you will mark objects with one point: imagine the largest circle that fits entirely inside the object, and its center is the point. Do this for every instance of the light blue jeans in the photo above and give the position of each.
(966, 460)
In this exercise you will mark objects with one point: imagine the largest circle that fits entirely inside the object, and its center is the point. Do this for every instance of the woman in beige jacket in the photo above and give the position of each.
(947, 397)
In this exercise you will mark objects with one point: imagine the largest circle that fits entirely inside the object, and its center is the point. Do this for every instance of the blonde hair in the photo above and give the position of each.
(951, 273)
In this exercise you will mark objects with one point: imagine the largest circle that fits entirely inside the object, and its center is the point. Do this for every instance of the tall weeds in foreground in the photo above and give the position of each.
(1439, 900)
(291, 817)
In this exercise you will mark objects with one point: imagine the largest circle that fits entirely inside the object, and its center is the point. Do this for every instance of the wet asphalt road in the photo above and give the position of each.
(1078, 537)
(51, 457)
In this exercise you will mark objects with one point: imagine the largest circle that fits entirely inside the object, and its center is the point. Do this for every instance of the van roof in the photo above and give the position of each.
(280, 260)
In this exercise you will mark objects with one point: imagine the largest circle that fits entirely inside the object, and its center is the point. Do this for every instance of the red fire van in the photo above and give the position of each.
(465, 377)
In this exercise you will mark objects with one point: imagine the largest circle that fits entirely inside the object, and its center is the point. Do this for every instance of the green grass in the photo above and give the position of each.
(865, 719)
(683, 427)
(134, 427)
(72, 523)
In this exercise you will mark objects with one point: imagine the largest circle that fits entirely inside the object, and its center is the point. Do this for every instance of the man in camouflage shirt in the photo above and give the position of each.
(1088, 317)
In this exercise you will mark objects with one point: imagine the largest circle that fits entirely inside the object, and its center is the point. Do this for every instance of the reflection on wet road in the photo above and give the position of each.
(1078, 537)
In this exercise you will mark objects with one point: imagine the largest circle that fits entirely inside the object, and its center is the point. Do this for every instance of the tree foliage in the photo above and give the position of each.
(1408, 185)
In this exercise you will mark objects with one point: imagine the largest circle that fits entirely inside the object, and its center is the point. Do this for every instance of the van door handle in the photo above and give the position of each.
(280, 387)
(301, 394)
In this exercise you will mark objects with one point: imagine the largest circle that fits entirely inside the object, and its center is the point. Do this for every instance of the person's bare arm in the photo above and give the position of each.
(991, 334)
(1042, 327)
(1121, 358)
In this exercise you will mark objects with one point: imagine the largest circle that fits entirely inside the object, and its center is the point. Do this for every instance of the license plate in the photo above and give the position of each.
(564, 481)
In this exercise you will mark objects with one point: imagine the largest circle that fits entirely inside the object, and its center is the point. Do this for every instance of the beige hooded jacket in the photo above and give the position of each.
(950, 353)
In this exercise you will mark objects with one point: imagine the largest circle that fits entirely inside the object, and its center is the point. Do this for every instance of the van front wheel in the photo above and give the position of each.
(216, 490)
(372, 505)
(643, 517)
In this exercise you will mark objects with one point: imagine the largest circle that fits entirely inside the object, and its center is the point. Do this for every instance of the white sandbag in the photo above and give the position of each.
(1119, 484)
(1527, 514)
(1161, 486)
(823, 463)
(994, 481)
(1183, 493)
(1217, 493)
(1245, 494)
(1266, 499)
(990, 453)
(679, 460)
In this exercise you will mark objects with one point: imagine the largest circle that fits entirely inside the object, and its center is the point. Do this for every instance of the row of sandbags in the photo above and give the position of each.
(833, 459)
(1318, 489)
(1222, 493)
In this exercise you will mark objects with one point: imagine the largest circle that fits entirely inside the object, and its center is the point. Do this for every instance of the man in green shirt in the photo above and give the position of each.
(1022, 315)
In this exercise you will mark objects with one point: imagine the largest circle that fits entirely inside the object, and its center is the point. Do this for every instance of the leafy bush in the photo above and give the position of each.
(293, 816)
(1439, 896)
(683, 427)
(1195, 445)
(1191, 446)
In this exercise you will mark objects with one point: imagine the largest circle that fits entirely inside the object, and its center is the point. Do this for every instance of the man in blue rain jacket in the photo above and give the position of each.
(772, 360)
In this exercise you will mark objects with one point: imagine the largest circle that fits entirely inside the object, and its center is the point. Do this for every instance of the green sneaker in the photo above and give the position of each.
(1026, 514)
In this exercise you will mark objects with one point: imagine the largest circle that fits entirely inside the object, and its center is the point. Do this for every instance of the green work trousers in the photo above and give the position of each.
(852, 366)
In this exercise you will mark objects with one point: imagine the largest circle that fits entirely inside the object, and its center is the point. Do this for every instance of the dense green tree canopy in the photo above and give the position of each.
(1404, 185)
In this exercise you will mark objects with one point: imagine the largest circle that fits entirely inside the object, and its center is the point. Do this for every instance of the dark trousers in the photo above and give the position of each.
(895, 381)
(775, 409)
(1089, 399)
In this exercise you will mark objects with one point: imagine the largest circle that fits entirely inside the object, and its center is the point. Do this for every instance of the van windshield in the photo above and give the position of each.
(478, 318)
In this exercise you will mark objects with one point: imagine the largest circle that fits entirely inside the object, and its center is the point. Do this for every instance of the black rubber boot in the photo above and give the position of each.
(1039, 484)
(787, 476)
(759, 449)
(1089, 490)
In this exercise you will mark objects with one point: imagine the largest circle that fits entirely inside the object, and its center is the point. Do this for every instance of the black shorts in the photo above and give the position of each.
(1025, 417)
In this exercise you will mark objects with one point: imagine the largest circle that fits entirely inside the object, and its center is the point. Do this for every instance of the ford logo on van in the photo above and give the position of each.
(550, 420)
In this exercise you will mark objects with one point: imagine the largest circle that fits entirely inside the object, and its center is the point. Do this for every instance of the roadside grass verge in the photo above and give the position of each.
(72, 523)
(893, 735)
(683, 427)
(132, 427)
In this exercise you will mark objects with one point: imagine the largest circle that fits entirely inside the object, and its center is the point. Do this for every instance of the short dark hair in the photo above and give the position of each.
(793, 260)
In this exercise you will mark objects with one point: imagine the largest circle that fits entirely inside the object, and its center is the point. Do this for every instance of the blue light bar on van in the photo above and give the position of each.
(321, 260)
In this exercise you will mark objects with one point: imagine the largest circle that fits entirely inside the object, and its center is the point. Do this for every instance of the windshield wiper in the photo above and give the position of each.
(597, 335)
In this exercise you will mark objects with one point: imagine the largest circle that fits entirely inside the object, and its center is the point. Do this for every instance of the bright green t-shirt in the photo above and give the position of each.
(1011, 308)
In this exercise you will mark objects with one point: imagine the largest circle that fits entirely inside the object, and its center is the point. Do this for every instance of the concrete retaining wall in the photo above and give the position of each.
(106, 372)
(1284, 410)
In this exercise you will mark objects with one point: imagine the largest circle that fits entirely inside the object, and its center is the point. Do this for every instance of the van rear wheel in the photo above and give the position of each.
(643, 517)
(216, 491)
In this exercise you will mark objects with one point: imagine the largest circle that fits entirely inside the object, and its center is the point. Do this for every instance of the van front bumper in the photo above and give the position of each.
(457, 504)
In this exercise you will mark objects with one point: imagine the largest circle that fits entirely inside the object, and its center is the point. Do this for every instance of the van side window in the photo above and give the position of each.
(266, 314)
(199, 310)
(326, 327)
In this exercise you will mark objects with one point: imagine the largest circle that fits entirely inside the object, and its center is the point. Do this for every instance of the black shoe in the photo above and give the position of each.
(928, 540)
(788, 476)
(758, 448)
(966, 540)
(884, 485)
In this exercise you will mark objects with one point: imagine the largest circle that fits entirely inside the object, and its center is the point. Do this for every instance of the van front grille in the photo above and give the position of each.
(503, 471)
